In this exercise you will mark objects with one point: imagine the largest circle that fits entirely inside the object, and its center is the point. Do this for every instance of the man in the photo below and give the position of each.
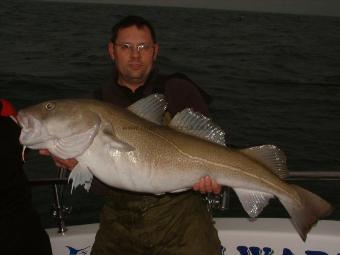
(22, 232)
(134, 223)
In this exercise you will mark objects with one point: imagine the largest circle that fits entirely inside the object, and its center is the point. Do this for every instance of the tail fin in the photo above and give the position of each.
(307, 214)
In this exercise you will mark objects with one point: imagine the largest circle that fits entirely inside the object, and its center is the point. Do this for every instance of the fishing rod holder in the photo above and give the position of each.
(219, 201)
(59, 211)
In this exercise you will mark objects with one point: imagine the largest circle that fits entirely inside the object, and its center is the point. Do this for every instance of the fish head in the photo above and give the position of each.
(64, 127)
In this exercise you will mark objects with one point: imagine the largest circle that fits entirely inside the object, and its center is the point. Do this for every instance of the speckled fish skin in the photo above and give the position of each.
(128, 152)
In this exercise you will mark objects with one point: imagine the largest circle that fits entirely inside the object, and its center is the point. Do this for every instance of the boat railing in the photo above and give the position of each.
(222, 200)
(215, 202)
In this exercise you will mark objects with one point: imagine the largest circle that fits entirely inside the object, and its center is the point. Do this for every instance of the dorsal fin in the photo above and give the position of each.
(196, 124)
(270, 156)
(150, 108)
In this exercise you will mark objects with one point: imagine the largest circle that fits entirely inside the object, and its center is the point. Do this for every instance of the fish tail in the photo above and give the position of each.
(305, 215)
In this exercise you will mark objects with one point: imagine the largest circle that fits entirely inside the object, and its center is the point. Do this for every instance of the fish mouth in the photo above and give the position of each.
(33, 133)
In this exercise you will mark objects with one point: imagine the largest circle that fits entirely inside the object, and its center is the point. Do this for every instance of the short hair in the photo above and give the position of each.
(130, 21)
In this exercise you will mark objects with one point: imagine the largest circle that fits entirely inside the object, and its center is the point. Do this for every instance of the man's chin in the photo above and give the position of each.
(137, 78)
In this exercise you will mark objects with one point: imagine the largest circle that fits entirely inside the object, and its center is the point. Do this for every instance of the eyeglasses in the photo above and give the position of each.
(129, 47)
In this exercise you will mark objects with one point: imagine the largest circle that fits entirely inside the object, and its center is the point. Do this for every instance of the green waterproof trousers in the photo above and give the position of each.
(167, 225)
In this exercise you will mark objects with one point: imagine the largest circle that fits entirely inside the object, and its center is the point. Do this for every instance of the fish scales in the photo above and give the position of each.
(130, 149)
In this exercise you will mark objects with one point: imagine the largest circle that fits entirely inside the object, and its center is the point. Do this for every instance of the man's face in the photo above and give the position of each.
(134, 53)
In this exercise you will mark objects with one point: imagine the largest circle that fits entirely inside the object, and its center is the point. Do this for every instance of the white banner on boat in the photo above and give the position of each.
(238, 236)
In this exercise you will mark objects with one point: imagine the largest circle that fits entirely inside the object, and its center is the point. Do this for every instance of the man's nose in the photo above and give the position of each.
(135, 51)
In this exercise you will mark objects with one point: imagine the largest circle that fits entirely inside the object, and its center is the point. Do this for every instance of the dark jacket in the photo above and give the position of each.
(19, 221)
(15, 190)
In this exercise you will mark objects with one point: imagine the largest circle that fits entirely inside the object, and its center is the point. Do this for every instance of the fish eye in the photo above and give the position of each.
(50, 106)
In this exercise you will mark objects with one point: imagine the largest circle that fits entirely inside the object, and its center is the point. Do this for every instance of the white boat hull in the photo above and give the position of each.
(277, 236)
(239, 236)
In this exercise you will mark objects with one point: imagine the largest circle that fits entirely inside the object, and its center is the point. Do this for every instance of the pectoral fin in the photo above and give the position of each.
(113, 143)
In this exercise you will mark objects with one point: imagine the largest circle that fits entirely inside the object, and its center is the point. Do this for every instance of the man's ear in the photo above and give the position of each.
(110, 49)
(156, 51)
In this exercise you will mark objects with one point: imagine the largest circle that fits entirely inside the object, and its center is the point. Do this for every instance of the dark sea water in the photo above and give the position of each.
(274, 78)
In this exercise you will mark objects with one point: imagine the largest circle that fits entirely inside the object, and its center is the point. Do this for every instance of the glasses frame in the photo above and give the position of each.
(141, 47)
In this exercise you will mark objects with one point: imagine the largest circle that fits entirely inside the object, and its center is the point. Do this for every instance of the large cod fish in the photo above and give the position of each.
(131, 149)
